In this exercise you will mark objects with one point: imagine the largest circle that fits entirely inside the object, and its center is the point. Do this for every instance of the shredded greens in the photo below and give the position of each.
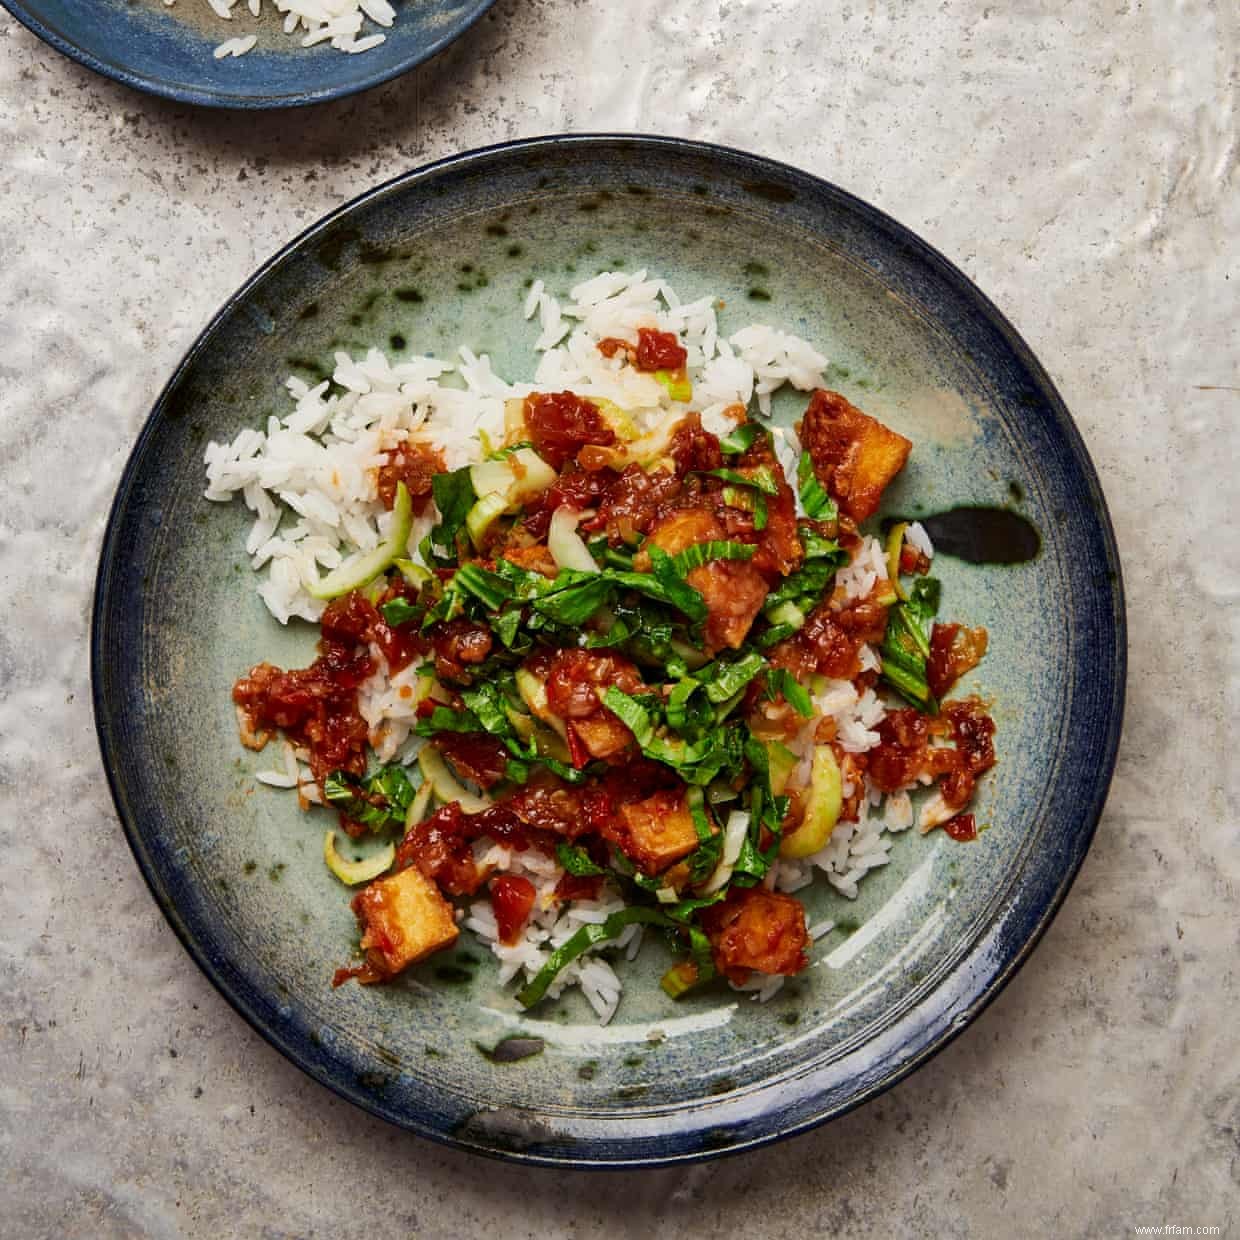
(814, 498)
(906, 644)
(379, 801)
(599, 932)
(577, 861)
(454, 497)
(640, 603)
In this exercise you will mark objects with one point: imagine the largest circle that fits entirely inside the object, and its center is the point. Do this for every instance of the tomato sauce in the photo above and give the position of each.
(695, 449)
(442, 845)
(962, 828)
(414, 464)
(577, 490)
(474, 755)
(512, 899)
(316, 706)
(633, 503)
(659, 350)
(458, 646)
(954, 650)
(560, 424)
(655, 350)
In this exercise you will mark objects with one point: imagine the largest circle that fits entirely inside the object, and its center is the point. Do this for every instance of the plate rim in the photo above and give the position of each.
(1011, 960)
(179, 92)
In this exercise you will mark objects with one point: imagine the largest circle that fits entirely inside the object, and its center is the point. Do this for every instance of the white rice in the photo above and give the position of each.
(868, 568)
(309, 478)
(336, 21)
(919, 540)
(235, 47)
(551, 924)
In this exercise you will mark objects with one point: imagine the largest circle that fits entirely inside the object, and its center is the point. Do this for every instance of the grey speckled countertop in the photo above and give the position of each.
(1079, 161)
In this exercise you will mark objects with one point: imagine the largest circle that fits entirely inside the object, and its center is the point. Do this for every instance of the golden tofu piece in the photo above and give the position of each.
(684, 528)
(658, 831)
(733, 591)
(603, 735)
(404, 919)
(854, 455)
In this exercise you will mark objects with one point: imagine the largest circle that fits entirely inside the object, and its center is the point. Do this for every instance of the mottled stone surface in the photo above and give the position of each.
(1079, 161)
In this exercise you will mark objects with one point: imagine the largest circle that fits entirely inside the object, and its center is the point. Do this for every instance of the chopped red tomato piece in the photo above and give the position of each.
(512, 898)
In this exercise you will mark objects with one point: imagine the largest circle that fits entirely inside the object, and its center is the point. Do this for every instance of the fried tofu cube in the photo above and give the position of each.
(757, 930)
(658, 831)
(602, 735)
(685, 528)
(404, 918)
(854, 455)
(733, 591)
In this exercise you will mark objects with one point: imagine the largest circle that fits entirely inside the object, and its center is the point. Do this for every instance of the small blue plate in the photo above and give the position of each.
(168, 51)
(443, 256)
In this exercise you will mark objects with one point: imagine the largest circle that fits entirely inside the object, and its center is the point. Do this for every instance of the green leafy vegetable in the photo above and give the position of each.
(684, 562)
(723, 678)
(697, 761)
(489, 588)
(577, 602)
(741, 438)
(487, 705)
(761, 479)
(524, 583)
(676, 591)
(678, 702)
(818, 546)
(775, 634)
(710, 839)
(806, 587)
(454, 497)
(663, 584)
(814, 499)
(398, 611)
(506, 625)
(906, 644)
(379, 801)
(586, 938)
(445, 719)
(577, 861)
(748, 500)
(780, 681)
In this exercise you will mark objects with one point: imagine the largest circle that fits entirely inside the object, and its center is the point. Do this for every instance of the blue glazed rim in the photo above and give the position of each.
(185, 93)
(795, 1104)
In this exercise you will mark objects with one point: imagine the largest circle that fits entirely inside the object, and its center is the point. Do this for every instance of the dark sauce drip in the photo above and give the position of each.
(512, 1049)
(980, 534)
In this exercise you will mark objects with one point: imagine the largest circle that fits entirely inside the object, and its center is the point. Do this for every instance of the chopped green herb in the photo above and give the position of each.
(684, 562)
(761, 479)
(398, 611)
(906, 644)
(379, 801)
(586, 938)
(454, 497)
(741, 439)
(814, 499)
(577, 861)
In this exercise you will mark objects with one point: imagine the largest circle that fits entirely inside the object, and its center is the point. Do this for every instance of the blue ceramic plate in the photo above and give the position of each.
(442, 256)
(168, 51)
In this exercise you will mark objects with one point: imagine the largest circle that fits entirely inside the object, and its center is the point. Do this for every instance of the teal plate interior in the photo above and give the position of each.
(170, 51)
(443, 256)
